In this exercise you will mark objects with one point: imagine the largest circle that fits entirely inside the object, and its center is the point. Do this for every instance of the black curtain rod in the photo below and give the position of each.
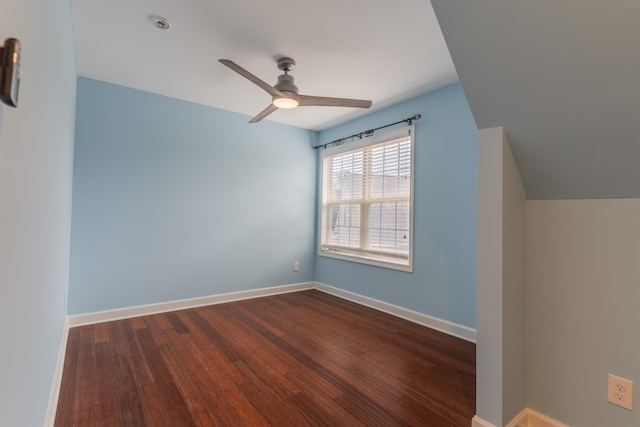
(366, 133)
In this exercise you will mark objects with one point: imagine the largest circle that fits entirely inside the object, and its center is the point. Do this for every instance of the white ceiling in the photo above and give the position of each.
(383, 50)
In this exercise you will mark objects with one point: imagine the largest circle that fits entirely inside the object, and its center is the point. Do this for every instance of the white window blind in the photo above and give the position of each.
(366, 200)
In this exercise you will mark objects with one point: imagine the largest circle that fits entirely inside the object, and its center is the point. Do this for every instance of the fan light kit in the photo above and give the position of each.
(286, 103)
(285, 93)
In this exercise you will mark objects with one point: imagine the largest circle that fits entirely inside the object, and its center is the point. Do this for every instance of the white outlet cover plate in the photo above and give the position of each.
(620, 391)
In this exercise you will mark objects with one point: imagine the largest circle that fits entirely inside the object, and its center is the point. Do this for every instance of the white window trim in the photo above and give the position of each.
(406, 266)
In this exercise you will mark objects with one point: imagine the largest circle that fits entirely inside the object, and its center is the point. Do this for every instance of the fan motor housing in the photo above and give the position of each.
(285, 84)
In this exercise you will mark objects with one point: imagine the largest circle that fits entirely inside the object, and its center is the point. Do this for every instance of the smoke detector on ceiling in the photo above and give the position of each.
(159, 22)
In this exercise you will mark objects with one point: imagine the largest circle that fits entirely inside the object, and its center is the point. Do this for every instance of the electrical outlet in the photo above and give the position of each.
(620, 392)
(296, 266)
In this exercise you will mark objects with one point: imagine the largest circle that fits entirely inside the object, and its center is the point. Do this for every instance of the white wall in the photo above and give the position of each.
(583, 321)
(500, 350)
(513, 287)
(578, 264)
(36, 152)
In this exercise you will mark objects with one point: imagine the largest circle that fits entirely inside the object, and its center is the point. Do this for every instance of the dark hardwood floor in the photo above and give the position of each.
(298, 359)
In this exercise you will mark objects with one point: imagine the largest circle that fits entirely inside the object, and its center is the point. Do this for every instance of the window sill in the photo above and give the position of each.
(368, 260)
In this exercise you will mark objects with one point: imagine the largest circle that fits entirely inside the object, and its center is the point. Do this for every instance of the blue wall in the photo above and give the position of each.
(175, 200)
(443, 283)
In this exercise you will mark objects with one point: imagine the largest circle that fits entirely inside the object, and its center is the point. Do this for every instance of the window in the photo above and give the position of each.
(367, 200)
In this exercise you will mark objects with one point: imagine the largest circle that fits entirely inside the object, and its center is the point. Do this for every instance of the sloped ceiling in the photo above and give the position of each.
(563, 78)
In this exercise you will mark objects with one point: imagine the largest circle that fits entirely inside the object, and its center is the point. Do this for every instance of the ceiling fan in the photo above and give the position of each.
(285, 92)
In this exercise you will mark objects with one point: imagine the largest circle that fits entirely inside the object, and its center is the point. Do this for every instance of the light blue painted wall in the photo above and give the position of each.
(443, 283)
(36, 160)
(176, 200)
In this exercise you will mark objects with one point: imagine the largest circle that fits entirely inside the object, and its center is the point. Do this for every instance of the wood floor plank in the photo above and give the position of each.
(101, 332)
(354, 388)
(172, 398)
(368, 412)
(321, 411)
(215, 363)
(137, 323)
(120, 336)
(299, 359)
(194, 401)
(157, 326)
(132, 414)
(106, 407)
(209, 322)
(140, 369)
(222, 397)
(177, 324)
(153, 408)
(85, 378)
(267, 339)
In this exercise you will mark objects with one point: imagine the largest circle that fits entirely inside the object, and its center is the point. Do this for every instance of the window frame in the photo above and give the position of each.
(364, 255)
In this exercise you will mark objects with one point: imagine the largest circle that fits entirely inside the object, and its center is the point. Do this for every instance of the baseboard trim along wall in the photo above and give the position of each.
(527, 418)
(536, 419)
(57, 380)
(444, 326)
(164, 307)
(476, 421)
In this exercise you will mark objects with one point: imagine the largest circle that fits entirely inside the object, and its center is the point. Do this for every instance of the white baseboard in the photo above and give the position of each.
(444, 326)
(447, 327)
(57, 380)
(527, 418)
(536, 419)
(476, 421)
(521, 420)
(163, 307)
